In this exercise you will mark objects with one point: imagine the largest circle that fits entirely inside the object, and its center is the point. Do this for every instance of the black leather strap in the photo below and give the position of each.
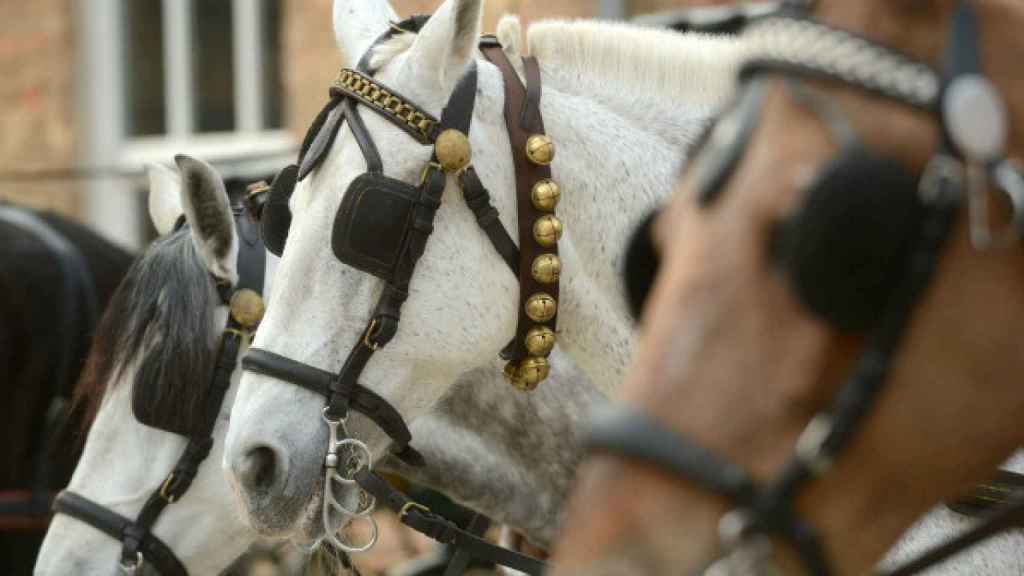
(425, 522)
(479, 201)
(154, 551)
(362, 399)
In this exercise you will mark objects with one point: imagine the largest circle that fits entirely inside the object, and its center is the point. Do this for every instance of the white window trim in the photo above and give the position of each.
(112, 205)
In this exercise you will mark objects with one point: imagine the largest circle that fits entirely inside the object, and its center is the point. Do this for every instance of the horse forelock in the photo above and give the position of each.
(159, 324)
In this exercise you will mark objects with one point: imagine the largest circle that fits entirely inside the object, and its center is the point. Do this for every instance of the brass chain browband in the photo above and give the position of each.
(419, 124)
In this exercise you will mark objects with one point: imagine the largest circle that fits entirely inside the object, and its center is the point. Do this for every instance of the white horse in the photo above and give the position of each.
(622, 105)
(124, 461)
(168, 313)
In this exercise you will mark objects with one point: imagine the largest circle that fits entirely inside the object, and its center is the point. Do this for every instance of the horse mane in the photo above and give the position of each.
(158, 323)
(654, 62)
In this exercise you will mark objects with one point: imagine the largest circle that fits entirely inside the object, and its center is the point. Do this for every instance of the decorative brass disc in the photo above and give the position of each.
(540, 340)
(547, 230)
(541, 307)
(546, 268)
(545, 195)
(540, 149)
(453, 150)
(247, 308)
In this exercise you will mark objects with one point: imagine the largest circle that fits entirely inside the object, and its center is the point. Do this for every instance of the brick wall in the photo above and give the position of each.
(37, 100)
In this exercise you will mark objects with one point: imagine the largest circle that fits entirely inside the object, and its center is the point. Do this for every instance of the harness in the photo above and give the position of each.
(139, 545)
(901, 222)
(78, 309)
(382, 227)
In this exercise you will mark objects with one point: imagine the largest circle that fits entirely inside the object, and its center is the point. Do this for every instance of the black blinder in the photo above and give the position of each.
(846, 248)
(277, 217)
(642, 263)
(372, 224)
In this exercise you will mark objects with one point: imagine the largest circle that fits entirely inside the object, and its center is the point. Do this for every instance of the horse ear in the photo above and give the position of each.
(510, 34)
(447, 44)
(164, 197)
(208, 211)
(357, 23)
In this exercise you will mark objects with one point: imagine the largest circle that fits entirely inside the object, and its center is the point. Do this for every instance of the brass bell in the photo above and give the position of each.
(247, 308)
(540, 340)
(541, 307)
(453, 150)
(546, 268)
(540, 149)
(533, 371)
(545, 195)
(547, 230)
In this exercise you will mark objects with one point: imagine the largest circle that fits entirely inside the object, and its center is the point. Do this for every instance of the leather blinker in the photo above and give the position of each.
(844, 249)
(372, 224)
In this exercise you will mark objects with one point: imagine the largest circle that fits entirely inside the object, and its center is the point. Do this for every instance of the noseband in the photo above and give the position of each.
(139, 545)
(792, 45)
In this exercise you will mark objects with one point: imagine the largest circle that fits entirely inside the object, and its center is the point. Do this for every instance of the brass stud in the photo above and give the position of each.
(247, 308)
(540, 149)
(540, 340)
(453, 150)
(547, 230)
(545, 195)
(541, 307)
(546, 268)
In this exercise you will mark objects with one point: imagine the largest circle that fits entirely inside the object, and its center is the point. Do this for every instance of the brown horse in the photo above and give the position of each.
(746, 339)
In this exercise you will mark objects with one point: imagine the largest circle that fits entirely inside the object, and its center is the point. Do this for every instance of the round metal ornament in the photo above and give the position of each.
(540, 149)
(247, 308)
(540, 340)
(453, 150)
(545, 195)
(546, 268)
(547, 230)
(541, 307)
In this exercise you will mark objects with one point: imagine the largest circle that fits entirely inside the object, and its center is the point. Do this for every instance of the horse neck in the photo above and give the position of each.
(615, 162)
(483, 441)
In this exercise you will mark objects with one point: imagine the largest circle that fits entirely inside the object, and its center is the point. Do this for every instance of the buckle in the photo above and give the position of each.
(409, 506)
(370, 334)
(131, 568)
(166, 487)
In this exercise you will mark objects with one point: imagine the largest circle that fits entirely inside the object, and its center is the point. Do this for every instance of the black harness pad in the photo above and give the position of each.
(846, 248)
(372, 224)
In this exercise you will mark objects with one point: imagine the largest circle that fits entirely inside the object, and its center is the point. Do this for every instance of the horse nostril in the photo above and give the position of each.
(258, 469)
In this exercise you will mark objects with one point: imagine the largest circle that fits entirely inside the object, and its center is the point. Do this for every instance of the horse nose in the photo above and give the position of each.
(259, 469)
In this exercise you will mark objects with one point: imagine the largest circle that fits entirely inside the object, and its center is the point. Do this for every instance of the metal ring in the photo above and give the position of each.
(359, 445)
(341, 421)
(369, 333)
(331, 535)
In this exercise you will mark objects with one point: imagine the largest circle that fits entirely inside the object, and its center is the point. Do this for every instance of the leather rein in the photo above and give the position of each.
(790, 44)
(139, 545)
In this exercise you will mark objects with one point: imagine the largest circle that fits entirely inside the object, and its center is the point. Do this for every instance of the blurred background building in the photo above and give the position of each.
(98, 88)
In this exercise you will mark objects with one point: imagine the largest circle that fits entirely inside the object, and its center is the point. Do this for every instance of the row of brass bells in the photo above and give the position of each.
(546, 268)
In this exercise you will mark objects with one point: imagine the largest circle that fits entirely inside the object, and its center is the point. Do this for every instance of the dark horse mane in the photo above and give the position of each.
(160, 323)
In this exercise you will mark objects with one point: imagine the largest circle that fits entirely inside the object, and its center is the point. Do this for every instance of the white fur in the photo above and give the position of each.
(125, 461)
(164, 197)
(619, 147)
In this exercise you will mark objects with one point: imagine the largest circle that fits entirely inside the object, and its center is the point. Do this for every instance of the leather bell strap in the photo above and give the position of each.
(523, 121)
(362, 400)
(154, 551)
(421, 519)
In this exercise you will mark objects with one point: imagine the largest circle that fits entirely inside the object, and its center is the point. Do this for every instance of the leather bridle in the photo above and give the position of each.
(535, 261)
(793, 45)
(139, 545)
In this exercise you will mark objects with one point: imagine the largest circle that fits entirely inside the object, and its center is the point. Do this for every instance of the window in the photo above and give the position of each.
(164, 77)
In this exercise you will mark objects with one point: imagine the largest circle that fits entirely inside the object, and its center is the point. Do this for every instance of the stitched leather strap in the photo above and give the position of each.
(523, 119)
(425, 522)
(154, 551)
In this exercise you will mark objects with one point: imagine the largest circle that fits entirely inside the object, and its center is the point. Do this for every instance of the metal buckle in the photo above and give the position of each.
(170, 498)
(132, 568)
(409, 506)
(369, 334)
(426, 168)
